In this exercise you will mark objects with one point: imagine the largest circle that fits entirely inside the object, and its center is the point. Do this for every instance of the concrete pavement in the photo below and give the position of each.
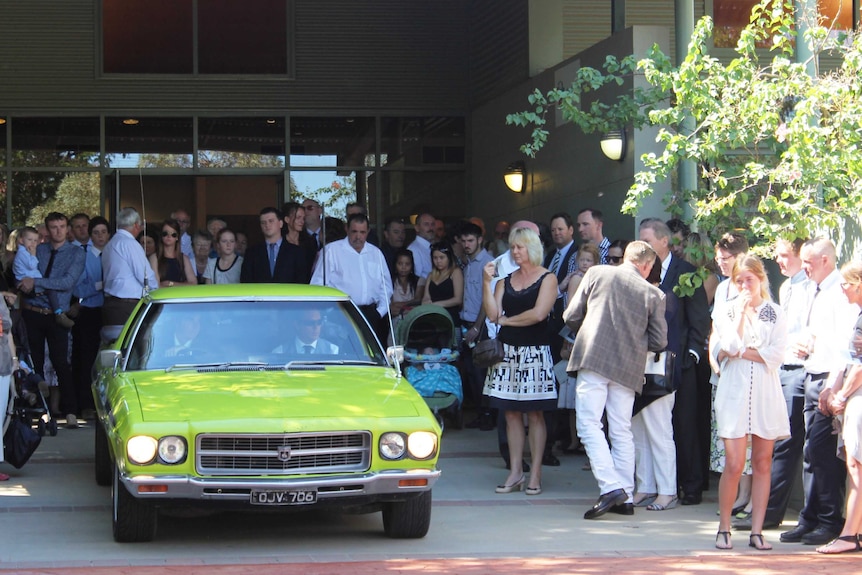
(56, 520)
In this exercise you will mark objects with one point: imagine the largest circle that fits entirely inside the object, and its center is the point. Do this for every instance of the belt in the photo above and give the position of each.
(134, 299)
(39, 310)
(818, 376)
(790, 367)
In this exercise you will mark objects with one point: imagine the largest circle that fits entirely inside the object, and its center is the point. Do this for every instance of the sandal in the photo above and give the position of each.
(659, 507)
(828, 548)
(722, 540)
(757, 541)
(645, 500)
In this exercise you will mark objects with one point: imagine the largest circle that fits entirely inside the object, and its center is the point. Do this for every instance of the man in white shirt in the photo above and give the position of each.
(359, 269)
(126, 271)
(421, 246)
(822, 349)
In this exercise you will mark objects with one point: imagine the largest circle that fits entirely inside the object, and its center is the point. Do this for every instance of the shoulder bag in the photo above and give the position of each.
(20, 440)
(658, 374)
(487, 351)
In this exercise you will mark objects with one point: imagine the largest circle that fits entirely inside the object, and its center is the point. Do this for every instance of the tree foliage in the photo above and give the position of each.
(777, 146)
(78, 192)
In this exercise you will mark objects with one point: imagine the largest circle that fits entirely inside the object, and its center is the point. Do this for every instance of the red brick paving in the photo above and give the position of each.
(760, 564)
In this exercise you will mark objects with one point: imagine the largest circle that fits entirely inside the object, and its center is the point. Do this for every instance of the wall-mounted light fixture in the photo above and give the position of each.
(614, 145)
(2, 120)
(515, 176)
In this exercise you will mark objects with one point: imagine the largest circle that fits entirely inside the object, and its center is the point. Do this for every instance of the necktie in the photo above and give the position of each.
(50, 264)
(316, 243)
(811, 307)
(84, 246)
(272, 259)
(308, 349)
(555, 263)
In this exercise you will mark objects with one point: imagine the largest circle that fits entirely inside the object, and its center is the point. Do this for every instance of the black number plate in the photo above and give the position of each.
(283, 497)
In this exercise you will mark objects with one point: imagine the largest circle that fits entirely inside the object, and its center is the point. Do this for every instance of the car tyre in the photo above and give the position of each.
(408, 519)
(133, 521)
(102, 457)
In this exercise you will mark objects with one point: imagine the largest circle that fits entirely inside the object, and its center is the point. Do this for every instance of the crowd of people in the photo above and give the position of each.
(754, 383)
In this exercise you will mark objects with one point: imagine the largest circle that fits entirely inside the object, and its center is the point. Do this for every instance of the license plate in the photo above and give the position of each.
(283, 497)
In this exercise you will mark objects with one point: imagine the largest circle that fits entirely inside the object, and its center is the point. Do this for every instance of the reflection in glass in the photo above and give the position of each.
(241, 142)
(233, 39)
(2, 141)
(332, 190)
(55, 142)
(35, 194)
(330, 142)
(147, 36)
(148, 142)
(412, 192)
(3, 215)
(423, 141)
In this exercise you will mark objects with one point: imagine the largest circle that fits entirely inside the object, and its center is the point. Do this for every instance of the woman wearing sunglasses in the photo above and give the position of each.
(172, 267)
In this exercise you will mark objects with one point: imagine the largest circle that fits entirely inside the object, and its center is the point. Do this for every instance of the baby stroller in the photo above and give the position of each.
(30, 387)
(430, 343)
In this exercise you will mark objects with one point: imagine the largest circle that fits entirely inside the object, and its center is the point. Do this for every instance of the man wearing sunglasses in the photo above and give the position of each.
(306, 335)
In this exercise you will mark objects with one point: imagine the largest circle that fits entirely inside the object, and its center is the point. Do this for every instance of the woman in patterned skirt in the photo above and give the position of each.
(523, 382)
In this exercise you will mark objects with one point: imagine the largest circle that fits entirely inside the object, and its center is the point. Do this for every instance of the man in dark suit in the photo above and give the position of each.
(615, 308)
(274, 260)
(687, 329)
(561, 262)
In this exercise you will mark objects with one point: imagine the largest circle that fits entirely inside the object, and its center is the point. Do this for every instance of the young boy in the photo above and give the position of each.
(27, 266)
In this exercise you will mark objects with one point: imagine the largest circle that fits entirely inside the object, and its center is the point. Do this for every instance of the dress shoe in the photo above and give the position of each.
(819, 536)
(623, 509)
(795, 534)
(691, 499)
(550, 460)
(605, 502)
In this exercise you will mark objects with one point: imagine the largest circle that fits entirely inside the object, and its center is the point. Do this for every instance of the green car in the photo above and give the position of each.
(255, 397)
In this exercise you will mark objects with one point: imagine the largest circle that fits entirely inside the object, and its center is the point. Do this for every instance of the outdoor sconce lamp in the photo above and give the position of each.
(515, 176)
(614, 145)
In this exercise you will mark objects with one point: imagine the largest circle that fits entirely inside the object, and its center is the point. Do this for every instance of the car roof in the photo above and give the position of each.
(299, 292)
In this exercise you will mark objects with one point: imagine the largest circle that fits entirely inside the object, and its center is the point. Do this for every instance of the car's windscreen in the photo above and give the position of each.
(271, 333)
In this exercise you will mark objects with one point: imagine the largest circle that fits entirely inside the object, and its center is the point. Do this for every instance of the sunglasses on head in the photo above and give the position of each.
(166, 234)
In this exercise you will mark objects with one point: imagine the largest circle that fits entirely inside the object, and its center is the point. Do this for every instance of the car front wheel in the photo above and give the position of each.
(133, 521)
(408, 519)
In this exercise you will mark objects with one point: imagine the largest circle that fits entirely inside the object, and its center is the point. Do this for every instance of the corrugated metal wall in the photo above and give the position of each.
(383, 55)
(499, 46)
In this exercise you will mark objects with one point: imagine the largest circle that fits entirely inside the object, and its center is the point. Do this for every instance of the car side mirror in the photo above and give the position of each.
(110, 358)
(395, 353)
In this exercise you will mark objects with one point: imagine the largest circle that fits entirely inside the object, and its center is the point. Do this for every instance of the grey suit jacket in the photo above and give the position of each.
(617, 317)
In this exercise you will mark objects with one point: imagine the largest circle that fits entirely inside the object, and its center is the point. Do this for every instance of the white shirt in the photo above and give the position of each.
(725, 293)
(364, 276)
(421, 249)
(831, 321)
(124, 267)
(794, 297)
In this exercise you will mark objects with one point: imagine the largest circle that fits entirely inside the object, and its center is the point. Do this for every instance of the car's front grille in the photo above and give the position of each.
(293, 453)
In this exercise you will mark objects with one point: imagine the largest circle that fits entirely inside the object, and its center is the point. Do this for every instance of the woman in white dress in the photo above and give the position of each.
(752, 335)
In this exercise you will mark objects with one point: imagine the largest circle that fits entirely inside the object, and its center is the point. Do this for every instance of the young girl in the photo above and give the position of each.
(445, 284)
(407, 287)
(752, 334)
(588, 256)
(172, 267)
(226, 267)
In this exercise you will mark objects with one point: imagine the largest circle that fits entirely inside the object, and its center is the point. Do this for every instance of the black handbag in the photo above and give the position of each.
(488, 351)
(20, 440)
(658, 374)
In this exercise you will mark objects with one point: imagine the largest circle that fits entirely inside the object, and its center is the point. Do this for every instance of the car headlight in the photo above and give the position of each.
(392, 445)
(172, 449)
(422, 444)
(141, 449)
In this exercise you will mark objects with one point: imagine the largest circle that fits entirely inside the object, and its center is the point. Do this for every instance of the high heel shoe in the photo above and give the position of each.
(517, 486)
(533, 490)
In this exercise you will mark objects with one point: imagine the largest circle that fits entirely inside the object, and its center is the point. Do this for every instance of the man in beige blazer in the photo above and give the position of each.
(618, 317)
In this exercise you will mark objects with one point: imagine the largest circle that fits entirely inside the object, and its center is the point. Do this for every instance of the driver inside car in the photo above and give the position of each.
(188, 327)
(304, 337)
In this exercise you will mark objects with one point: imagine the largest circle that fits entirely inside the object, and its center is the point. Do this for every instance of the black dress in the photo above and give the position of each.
(524, 379)
(174, 271)
(443, 291)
